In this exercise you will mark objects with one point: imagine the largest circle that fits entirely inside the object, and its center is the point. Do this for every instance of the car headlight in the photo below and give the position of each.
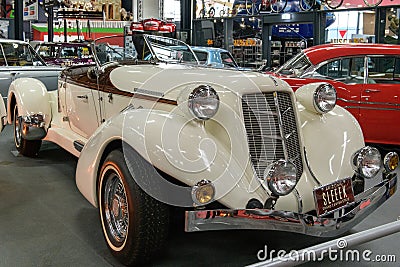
(317, 97)
(281, 177)
(203, 102)
(325, 98)
(367, 162)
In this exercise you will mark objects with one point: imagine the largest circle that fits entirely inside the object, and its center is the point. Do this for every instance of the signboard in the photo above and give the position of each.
(30, 9)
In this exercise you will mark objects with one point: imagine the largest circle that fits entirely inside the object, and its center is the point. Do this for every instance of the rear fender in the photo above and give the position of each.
(31, 97)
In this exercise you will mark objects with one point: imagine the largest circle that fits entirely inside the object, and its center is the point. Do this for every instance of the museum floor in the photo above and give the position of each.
(45, 221)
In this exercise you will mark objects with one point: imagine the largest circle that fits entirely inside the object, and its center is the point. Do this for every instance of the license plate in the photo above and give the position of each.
(334, 196)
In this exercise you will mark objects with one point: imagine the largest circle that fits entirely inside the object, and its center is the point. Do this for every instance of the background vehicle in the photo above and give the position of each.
(235, 149)
(367, 80)
(18, 59)
(64, 54)
(215, 57)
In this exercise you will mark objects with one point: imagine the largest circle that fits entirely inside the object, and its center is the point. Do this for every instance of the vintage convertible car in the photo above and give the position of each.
(367, 80)
(18, 59)
(238, 150)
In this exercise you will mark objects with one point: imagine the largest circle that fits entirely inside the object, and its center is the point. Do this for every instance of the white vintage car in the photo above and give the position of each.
(238, 150)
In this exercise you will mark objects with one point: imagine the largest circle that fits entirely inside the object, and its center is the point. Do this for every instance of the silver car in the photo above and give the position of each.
(18, 59)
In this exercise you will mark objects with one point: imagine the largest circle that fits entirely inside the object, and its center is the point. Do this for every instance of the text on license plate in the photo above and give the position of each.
(334, 196)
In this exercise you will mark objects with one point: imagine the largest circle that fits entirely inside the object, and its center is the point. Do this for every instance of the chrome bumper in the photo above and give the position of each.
(33, 127)
(263, 219)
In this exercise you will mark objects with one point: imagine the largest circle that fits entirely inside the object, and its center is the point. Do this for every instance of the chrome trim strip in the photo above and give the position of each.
(264, 219)
(390, 109)
(299, 200)
(309, 168)
(279, 116)
(368, 103)
(147, 92)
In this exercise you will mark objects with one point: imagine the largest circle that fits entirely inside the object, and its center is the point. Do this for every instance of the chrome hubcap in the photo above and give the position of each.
(116, 208)
(17, 129)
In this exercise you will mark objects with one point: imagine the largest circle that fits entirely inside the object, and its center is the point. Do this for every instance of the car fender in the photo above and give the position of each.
(329, 142)
(3, 114)
(31, 96)
(189, 154)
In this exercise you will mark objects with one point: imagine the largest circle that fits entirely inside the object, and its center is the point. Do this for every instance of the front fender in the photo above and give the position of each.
(177, 146)
(31, 96)
(3, 114)
(330, 140)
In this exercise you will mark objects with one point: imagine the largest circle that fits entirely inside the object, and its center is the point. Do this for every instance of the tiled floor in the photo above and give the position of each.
(45, 221)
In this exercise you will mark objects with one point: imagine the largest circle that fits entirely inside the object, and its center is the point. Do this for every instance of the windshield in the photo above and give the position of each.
(296, 66)
(114, 49)
(19, 54)
(169, 50)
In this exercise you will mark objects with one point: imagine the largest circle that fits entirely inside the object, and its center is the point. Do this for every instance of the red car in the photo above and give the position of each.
(367, 80)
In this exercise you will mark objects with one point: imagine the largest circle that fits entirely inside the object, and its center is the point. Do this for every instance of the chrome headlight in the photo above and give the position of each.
(325, 98)
(281, 177)
(391, 161)
(203, 102)
(367, 162)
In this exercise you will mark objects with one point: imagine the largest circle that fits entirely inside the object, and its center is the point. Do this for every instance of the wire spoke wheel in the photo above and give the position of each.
(278, 5)
(252, 7)
(116, 208)
(306, 5)
(372, 3)
(334, 3)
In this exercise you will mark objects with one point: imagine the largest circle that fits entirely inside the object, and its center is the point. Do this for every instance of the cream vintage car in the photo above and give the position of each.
(237, 149)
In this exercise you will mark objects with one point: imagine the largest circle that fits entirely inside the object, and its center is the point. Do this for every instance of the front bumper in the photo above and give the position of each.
(263, 219)
(33, 127)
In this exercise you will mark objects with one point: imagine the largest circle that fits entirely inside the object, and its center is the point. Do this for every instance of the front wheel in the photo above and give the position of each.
(134, 224)
(27, 148)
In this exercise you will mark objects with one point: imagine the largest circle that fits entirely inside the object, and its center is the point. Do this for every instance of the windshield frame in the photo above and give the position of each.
(178, 43)
(297, 66)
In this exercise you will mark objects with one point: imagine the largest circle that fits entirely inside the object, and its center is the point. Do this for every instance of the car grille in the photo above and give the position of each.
(271, 130)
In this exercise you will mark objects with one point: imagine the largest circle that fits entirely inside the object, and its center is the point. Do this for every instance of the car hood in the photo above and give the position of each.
(165, 79)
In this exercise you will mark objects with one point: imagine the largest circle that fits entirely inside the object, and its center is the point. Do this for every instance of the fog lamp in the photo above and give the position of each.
(367, 162)
(203, 192)
(391, 161)
(281, 177)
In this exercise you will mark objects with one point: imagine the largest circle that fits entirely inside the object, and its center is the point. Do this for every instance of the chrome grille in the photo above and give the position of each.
(271, 130)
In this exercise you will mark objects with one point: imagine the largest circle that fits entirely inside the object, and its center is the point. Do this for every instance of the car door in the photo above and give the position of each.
(82, 100)
(380, 104)
(5, 75)
(346, 75)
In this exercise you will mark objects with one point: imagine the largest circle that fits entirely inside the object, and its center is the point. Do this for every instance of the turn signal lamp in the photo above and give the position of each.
(203, 193)
(391, 161)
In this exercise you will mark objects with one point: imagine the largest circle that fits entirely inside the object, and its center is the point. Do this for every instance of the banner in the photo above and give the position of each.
(30, 9)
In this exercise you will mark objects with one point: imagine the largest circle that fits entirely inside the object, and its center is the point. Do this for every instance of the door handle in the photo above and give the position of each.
(82, 97)
(372, 90)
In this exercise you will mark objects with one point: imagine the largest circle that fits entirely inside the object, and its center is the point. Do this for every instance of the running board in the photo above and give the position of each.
(66, 139)
(78, 144)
